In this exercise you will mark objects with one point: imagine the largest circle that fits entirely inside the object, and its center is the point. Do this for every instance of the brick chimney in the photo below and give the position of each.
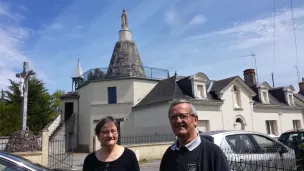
(301, 86)
(249, 77)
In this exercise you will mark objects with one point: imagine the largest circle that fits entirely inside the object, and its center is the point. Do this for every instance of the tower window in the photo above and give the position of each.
(112, 95)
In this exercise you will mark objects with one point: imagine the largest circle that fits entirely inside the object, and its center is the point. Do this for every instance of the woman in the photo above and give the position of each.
(111, 156)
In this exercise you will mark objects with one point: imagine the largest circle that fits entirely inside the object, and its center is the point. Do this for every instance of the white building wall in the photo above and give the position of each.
(212, 114)
(230, 113)
(283, 117)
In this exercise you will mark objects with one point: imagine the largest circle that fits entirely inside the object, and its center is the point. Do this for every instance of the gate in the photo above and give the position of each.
(60, 153)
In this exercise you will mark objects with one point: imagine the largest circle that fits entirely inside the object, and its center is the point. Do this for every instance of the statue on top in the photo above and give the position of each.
(124, 20)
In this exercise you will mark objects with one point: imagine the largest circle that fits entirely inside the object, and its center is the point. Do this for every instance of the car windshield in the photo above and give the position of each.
(26, 162)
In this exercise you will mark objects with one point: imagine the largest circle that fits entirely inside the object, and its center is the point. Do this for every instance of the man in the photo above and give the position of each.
(190, 152)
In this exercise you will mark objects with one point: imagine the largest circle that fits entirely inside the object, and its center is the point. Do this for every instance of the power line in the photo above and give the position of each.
(274, 40)
(295, 39)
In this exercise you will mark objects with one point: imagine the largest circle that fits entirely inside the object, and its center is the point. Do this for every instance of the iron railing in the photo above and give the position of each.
(60, 154)
(123, 72)
(136, 139)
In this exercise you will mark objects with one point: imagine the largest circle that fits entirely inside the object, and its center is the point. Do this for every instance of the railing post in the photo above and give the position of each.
(45, 147)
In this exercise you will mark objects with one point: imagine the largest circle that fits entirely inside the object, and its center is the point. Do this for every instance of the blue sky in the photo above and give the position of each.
(187, 36)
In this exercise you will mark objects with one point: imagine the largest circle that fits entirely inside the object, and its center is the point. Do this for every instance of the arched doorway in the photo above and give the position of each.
(239, 123)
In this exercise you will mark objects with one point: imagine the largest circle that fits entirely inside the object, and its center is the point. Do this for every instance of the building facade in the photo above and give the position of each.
(140, 99)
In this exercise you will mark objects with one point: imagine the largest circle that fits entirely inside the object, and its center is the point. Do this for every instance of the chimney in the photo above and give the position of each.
(301, 85)
(249, 76)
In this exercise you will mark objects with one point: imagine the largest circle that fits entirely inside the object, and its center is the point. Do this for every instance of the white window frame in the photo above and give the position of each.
(236, 95)
(270, 127)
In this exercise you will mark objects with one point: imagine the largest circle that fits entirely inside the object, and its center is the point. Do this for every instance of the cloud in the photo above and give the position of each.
(24, 8)
(197, 20)
(13, 37)
(170, 16)
(5, 12)
(56, 26)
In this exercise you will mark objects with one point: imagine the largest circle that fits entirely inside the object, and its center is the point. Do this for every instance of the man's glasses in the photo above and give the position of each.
(181, 116)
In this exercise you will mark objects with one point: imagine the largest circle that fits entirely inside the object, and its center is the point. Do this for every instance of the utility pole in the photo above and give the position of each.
(255, 64)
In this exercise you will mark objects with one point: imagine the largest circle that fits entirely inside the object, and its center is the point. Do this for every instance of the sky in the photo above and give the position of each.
(183, 36)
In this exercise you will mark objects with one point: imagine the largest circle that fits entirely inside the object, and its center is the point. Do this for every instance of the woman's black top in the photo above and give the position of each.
(126, 162)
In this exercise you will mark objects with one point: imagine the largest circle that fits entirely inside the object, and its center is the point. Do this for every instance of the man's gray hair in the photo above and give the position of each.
(180, 101)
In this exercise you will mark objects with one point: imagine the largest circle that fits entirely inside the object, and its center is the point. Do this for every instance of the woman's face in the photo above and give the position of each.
(108, 135)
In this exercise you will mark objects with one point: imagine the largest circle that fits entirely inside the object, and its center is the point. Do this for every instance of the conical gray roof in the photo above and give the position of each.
(125, 61)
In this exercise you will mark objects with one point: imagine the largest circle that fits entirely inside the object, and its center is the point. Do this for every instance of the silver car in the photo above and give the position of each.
(253, 150)
(10, 162)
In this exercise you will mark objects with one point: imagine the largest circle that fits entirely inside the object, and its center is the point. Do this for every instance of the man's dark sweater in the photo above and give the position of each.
(205, 156)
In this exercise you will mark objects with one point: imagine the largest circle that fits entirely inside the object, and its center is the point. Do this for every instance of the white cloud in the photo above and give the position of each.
(24, 8)
(5, 12)
(197, 20)
(56, 26)
(170, 16)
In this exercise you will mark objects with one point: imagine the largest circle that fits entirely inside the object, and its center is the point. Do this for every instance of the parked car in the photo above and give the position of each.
(292, 138)
(248, 149)
(10, 162)
(295, 139)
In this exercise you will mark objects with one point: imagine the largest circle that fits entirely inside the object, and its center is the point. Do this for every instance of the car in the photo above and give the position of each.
(295, 139)
(11, 162)
(292, 138)
(253, 148)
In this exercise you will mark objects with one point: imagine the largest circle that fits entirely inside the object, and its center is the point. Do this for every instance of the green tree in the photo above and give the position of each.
(55, 99)
(39, 111)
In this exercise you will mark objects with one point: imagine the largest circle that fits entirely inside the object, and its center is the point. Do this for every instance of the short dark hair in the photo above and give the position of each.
(103, 121)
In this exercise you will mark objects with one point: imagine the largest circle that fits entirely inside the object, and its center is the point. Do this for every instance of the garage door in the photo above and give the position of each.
(203, 125)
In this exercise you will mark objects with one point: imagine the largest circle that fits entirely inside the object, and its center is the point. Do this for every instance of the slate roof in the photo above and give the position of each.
(175, 87)
(272, 99)
(70, 95)
(300, 97)
(220, 84)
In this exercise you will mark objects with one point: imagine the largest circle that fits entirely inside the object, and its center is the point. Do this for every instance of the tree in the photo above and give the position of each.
(55, 99)
(39, 111)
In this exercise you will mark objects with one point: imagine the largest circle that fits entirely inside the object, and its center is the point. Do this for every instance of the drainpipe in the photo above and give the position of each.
(222, 114)
(280, 121)
(251, 111)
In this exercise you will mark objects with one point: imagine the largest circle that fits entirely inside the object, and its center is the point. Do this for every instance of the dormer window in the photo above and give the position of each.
(264, 96)
(263, 92)
(236, 97)
(288, 91)
(290, 99)
(198, 82)
(201, 91)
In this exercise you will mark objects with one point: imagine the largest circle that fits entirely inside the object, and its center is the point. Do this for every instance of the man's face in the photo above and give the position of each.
(182, 123)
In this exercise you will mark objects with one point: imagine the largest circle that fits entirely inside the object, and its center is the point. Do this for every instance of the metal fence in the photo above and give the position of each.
(134, 139)
(60, 154)
(124, 71)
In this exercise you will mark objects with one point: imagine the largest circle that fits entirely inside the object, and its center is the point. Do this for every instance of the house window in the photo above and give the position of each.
(290, 99)
(272, 127)
(201, 91)
(265, 97)
(296, 124)
(112, 96)
(236, 97)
